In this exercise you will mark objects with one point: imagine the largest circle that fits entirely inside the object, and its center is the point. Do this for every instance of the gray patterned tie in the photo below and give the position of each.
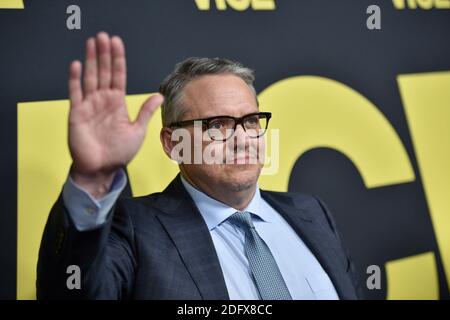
(267, 276)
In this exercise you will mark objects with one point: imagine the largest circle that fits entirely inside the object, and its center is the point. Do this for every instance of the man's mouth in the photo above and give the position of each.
(243, 159)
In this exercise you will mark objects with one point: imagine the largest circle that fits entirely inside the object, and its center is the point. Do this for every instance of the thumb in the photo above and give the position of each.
(147, 109)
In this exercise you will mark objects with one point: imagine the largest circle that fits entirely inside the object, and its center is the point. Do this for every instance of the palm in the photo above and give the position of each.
(101, 135)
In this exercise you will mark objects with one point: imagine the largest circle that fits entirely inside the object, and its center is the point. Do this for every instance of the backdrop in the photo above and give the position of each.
(360, 95)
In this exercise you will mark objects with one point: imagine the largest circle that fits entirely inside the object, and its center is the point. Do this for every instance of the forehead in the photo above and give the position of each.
(223, 94)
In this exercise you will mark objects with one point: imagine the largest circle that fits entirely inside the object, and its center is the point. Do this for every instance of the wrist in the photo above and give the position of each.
(96, 184)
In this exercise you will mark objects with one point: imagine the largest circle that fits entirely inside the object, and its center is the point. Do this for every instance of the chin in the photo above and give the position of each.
(242, 176)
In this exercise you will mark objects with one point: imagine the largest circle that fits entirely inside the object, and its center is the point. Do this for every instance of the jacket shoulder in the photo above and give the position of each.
(137, 207)
(311, 204)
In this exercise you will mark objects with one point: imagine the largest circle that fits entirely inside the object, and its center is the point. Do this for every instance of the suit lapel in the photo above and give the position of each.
(316, 237)
(189, 232)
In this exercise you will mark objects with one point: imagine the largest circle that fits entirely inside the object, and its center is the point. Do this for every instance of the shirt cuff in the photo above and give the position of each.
(86, 212)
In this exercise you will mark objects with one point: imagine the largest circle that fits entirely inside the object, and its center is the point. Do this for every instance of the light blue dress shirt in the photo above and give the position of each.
(86, 212)
(303, 274)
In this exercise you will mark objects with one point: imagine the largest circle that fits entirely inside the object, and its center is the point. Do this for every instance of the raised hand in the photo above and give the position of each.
(101, 136)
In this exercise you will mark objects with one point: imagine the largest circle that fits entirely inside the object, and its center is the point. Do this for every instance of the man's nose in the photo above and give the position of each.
(240, 137)
(239, 131)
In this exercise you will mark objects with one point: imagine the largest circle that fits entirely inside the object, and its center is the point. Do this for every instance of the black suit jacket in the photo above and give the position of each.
(159, 247)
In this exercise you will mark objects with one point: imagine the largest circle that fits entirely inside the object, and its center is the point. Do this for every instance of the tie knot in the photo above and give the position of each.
(242, 218)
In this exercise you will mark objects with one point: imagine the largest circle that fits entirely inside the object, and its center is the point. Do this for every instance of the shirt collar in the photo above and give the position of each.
(215, 212)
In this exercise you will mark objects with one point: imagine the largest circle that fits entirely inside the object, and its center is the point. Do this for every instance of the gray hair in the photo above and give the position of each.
(172, 87)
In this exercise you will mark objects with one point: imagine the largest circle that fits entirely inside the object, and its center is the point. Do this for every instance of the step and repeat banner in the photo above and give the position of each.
(359, 90)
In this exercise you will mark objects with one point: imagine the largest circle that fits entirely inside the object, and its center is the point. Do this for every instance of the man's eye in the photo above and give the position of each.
(216, 125)
(252, 121)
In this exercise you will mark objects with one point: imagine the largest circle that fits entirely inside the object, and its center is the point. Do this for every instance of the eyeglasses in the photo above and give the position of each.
(221, 128)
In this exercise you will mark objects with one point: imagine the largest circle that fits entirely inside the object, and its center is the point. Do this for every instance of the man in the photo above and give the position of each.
(212, 233)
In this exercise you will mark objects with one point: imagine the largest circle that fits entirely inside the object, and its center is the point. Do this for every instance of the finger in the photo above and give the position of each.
(119, 68)
(75, 93)
(90, 67)
(104, 60)
(147, 110)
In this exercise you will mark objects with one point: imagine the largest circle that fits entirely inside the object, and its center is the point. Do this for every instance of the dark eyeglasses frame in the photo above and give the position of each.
(240, 120)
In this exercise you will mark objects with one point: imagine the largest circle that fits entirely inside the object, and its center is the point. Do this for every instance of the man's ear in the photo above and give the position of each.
(166, 141)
